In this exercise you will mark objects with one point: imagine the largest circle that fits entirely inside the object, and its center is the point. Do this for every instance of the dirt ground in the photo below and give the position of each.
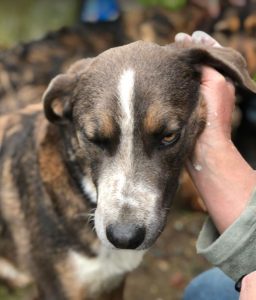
(24, 74)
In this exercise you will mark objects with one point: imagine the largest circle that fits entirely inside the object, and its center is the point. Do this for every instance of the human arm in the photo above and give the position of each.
(224, 179)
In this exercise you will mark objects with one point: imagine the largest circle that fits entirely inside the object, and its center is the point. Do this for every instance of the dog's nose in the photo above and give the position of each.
(126, 236)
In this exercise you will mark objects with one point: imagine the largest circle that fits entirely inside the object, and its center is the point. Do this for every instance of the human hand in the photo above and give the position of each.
(223, 178)
(248, 290)
(219, 98)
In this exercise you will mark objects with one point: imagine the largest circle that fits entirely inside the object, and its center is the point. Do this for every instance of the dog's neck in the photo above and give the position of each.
(66, 199)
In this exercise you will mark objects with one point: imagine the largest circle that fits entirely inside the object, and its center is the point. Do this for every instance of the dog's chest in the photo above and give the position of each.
(106, 271)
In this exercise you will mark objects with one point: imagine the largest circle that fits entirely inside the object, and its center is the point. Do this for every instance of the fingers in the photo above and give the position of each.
(200, 37)
(231, 85)
(183, 39)
(197, 38)
(248, 291)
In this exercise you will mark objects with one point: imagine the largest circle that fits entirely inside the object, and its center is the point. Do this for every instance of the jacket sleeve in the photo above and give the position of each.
(234, 251)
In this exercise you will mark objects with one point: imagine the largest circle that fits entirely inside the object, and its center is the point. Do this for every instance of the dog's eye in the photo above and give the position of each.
(101, 143)
(170, 139)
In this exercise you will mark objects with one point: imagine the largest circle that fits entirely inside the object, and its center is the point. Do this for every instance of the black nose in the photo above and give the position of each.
(125, 236)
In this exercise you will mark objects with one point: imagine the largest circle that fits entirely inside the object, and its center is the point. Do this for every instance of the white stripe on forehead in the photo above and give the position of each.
(115, 178)
(126, 94)
(125, 89)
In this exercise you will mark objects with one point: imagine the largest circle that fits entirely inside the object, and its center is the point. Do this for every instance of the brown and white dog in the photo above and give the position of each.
(108, 154)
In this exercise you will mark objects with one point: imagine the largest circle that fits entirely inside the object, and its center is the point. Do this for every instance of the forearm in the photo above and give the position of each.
(224, 180)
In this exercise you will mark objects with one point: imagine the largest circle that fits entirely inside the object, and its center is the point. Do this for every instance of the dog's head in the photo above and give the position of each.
(135, 112)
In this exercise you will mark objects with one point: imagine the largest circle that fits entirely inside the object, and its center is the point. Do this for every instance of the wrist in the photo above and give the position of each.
(224, 180)
(211, 152)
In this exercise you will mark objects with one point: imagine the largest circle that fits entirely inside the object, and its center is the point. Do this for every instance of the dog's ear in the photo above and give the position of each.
(57, 99)
(227, 61)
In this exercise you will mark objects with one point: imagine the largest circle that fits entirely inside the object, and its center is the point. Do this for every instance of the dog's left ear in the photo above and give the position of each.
(57, 99)
(227, 61)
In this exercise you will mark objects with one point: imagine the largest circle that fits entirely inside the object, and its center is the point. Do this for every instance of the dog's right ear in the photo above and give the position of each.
(227, 61)
(57, 99)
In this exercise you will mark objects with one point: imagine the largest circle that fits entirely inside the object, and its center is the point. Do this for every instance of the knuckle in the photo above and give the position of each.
(231, 89)
(223, 83)
(220, 79)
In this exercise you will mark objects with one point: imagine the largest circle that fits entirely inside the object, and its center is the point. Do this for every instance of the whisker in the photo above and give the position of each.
(86, 214)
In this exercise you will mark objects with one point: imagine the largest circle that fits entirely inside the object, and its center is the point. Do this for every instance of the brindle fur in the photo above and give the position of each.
(43, 208)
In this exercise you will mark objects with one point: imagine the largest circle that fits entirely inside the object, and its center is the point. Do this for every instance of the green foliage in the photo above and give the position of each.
(170, 4)
(5, 295)
(25, 20)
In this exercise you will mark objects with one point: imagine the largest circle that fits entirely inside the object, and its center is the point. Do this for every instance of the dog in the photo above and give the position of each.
(103, 151)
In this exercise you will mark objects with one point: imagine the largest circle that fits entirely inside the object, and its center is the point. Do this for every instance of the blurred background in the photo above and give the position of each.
(41, 38)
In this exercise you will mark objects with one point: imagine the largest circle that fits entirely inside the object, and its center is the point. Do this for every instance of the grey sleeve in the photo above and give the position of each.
(234, 251)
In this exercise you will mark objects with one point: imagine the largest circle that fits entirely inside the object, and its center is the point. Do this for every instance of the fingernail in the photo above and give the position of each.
(181, 37)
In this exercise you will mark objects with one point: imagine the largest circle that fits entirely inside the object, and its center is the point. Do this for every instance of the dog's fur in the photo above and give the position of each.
(121, 127)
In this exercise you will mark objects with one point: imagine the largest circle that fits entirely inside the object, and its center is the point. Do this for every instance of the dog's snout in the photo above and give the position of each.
(126, 236)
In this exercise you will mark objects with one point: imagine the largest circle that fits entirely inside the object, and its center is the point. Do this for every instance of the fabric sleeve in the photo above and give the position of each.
(234, 251)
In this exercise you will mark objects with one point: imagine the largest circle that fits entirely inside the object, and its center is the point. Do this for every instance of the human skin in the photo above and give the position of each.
(225, 180)
(248, 291)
